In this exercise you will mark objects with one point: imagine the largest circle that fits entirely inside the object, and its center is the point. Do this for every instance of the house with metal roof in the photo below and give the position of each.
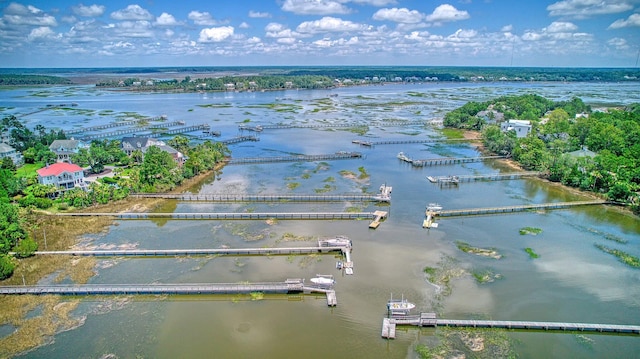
(63, 175)
(64, 149)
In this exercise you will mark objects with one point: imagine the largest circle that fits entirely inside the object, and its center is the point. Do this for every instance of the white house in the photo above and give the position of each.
(62, 175)
(8, 151)
(521, 127)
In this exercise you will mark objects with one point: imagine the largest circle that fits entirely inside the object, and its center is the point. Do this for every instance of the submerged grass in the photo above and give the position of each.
(532, 254)
(486, 252)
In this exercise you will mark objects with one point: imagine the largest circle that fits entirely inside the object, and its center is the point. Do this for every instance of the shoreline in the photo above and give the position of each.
(62, 234)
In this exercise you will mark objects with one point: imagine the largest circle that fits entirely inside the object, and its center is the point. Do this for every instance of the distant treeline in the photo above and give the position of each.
(477, 73)
(225, 83)
(13, 79)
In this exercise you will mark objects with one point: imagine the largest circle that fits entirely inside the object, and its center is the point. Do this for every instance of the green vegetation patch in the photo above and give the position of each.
(626, 258)
(485, 252)
(530, 230)
(532, 254)
(469, 343)
(293, 185)
(485, 276)
(290, 237)
(452, 133)
(216, 105)
(324, 189)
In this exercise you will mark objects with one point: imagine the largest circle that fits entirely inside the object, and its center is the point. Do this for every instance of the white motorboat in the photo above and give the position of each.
(399, 306)
(323, 280)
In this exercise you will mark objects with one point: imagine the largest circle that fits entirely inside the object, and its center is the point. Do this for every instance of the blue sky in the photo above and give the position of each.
(115, 33)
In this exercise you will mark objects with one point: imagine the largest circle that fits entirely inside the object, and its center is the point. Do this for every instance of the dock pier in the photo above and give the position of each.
(299, 158)
(520, 208)
(430, 320)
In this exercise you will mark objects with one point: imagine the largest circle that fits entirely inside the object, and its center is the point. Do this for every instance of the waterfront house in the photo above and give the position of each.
(64, 149)
(142, 144)
(521, 127)
(62, 175)
(8, 151)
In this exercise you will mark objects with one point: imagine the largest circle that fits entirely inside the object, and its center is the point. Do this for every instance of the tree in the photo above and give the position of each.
(7, 164)
(159, 171)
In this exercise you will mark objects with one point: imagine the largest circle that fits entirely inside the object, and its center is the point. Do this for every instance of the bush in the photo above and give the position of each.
(25, 248)
(6, 266)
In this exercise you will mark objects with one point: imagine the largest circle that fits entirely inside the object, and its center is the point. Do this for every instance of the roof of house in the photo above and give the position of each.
(583, 152)
(140, 142)
(64, 144)
(58, 168)
(4, 148)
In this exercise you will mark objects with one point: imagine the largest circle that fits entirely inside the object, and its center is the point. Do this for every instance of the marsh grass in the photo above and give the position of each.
(530, 230)
(624, 257)
(532, 254)
(486, 252)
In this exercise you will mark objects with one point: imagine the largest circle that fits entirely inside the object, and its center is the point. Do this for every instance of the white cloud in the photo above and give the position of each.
(202, 18)
(618, 43)
(330, 24)
(132, 12)
(588, 8)
(88, 11)
(253, 40)
(560, 26)
(256, 14)
(276, 30)
(446, 12)
(17, 14)
(40, 33)
(244, 25)
(632, 20)
(507, 28)
(314, 7)
(139, 29)
(402, 15)
(377, 3)
(166, 20)
(216, 34)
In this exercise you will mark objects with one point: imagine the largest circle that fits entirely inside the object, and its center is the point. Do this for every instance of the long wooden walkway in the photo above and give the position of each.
(289, 286)
(429, 320)
(299, 158)
(258, 198)
(485, 177)
(450, 160)
(402, 142)
(196, 252)
(520, 208)
(239, 139)
(231, 216)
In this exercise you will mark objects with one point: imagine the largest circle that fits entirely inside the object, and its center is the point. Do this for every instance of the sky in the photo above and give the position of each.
(149, 33)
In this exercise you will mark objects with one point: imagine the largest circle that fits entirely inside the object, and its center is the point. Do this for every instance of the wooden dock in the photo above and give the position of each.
(486, 177)
(430, 320)
(450, 160)
(290, 286)
(196, 252)
(402, 142)
(520, 208)
(231, 216)
(298, 158)
(225, 198)
(240, 139)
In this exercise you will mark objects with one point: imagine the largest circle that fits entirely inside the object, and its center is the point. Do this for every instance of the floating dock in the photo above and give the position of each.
(379, 217)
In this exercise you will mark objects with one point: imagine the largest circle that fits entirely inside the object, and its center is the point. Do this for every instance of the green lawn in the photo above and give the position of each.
(29, 169)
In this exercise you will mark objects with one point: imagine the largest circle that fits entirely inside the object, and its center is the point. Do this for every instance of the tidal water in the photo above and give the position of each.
(571, 281)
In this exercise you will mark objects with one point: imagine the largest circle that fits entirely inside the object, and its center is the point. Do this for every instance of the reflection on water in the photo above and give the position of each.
(570, 281)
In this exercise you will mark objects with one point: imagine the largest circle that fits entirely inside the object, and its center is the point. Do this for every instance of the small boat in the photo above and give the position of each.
(339, 265)
(403, 157)
(339, 241)
(348, 271)
(399, 306)
(323, 280)
(434, 207)
(432, 179)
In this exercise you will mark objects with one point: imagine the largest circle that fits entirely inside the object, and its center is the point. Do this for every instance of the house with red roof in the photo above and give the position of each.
(63, 175)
